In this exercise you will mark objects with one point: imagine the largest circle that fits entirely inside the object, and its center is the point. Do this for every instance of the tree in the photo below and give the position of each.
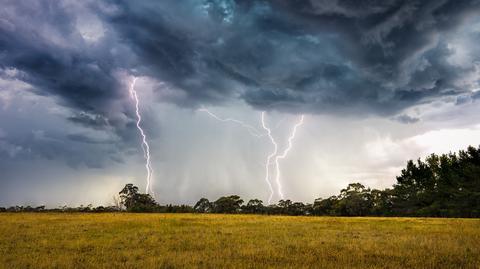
(273, 209)
(382, 202)
(355, 200)
(284, 206)
(203, 206)
(254, 206)
(414, 191)
(297, 209)
(128, 195)
(228, 204)
(442, 186)
(135, 201)
(322, 207)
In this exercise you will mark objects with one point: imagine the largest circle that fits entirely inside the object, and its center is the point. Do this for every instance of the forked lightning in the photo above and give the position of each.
(274, 155)
(145, 146)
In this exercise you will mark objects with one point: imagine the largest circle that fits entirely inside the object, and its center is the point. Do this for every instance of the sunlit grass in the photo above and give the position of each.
(48, 240)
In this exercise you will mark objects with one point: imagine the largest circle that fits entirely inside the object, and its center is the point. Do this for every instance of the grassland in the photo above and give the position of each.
(48, 240)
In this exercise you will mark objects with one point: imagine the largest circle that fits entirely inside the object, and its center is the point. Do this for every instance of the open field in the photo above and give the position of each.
(49, 240)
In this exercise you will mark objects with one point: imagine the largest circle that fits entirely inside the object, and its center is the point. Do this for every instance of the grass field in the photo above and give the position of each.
(48, 240)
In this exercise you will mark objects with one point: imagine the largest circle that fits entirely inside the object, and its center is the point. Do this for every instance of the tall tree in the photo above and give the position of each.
(355, 200)
(135, 201)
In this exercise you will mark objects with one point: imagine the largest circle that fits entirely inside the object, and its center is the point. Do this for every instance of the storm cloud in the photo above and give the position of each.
(41, 44)
(302, 56)
(357, 57)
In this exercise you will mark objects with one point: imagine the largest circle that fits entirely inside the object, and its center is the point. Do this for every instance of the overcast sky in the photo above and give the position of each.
(378, 82)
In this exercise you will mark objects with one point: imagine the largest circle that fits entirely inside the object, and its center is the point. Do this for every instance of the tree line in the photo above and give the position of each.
(446, 185)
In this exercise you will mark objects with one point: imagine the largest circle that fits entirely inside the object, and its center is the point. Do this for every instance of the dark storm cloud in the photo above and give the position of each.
(41, 44)
(40, 39)
(315, 56)
(318, 56)
(57, 68)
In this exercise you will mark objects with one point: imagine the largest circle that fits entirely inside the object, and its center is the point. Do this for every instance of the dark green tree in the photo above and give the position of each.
(135, 201)
(297, 209)
(203, 206)
(228, 204)
(382, 202)
(442, 186)
(284, 205)
(254, 206)
(325, 207)
(355, 200)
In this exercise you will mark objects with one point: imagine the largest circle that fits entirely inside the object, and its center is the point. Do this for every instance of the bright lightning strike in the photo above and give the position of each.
(284, 155)
(277, 156)
(267, 163)
(254, 132)
(145, 146)
(274, 155)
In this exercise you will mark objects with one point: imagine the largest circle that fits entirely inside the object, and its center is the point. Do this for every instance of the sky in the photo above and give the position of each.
(379, 82)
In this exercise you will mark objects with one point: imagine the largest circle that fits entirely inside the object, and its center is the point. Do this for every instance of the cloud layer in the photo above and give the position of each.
(302, 56)
(306, 56)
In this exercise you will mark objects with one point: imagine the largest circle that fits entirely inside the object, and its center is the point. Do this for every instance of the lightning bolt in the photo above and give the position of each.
(252, 130)
(284, 155)
(145, 146)
(256, 133)
(273, 155)
(267, 163)
(277, 156)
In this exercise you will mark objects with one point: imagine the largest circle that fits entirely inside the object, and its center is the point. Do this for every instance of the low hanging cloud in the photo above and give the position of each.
(406, 119)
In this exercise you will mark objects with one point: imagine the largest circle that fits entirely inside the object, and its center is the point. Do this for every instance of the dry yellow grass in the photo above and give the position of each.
(234, 241)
